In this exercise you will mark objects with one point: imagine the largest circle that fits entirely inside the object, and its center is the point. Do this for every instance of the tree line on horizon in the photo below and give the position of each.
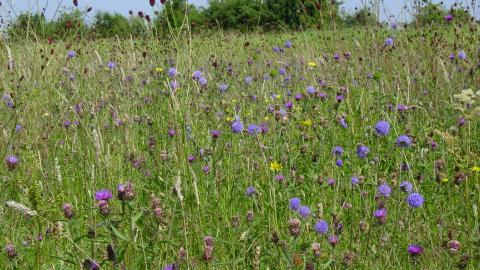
(237, 15)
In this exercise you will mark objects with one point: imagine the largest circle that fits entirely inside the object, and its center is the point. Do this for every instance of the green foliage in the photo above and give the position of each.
(28, 23)
(360, 18)
(237, 14)
(176, 13)
(109, 25)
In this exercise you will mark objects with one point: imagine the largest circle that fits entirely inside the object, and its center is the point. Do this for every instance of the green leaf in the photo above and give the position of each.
(137, 217)
(118, 233)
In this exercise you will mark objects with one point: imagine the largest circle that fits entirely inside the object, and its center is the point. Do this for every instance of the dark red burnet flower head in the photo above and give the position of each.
(152, 3)
(163, 2)
(75, 3)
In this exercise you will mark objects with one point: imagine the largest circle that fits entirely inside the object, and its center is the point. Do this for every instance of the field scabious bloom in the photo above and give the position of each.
(415, 200)
(321, 227)
(384, 190)
(382, 128)
(295, 203)
(362, 151)
(304, 211)
(275, 166)
(403, 141)
(237, 126)
(250, 191)
(389, 41)
(406, 186)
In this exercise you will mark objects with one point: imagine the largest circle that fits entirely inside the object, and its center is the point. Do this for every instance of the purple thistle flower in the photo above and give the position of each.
(384, 190)
(415, 200)
(215, 134)
(103, 195)
(382, 128)
(279, 177)
(448, 17)
(304, 211)
(295, 203)
(403, 141)
(172, 266)
(406, 186)
(250, 191)
(321, 227)
(333, 240)
(331, 182)
(415, 249)
(171, 132)
(12, 162)
(362, 151)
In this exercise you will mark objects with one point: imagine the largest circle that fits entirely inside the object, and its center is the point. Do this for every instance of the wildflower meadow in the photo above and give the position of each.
(332, 148)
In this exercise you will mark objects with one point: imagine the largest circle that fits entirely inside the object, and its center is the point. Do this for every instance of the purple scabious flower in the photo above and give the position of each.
(311, 90)
(282, 71)
(321, 227)
(174, 85)
(354, 180)
(172, 72)
(202, 81)
(304, 211)
(248, 80)
(250, 191)
(382, 128)
(389, 41)
(339, 162)
(462, 55)
(336, 57)
(402, 107)
(415, 249)
(403, 141)
(343, 122)
(415, 200)
(295, 203)
(253, 129)
(276, 49)
(362, 151)
(451, 56)
(191, 158)
(237, 126)
(298, 96)
(111, 65)
(223, 87)
(337, 151)
(197, 74)
(103, 195)
(331, 182)
(384, 190)
(406, 186)
(71, 54)
(12, 162)
(288, 44)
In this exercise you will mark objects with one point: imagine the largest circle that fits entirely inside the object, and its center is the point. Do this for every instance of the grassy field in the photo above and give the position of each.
(343, 150)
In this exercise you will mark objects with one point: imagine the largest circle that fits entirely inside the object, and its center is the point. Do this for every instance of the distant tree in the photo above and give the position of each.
(305, 13)
(69, 23)
(109, 25)
(363, 16)
(237, 14)
(29, 24)
(175, 12)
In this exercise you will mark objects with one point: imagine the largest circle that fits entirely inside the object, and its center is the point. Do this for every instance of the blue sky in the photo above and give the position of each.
(388, 8)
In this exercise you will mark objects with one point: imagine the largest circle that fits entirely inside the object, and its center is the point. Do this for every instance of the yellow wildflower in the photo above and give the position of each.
(476, 169)
(307, 122)
(275, 166)
(230, 119)
(444, 180)
(159, 69)
(279, 96)
(312, 64)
